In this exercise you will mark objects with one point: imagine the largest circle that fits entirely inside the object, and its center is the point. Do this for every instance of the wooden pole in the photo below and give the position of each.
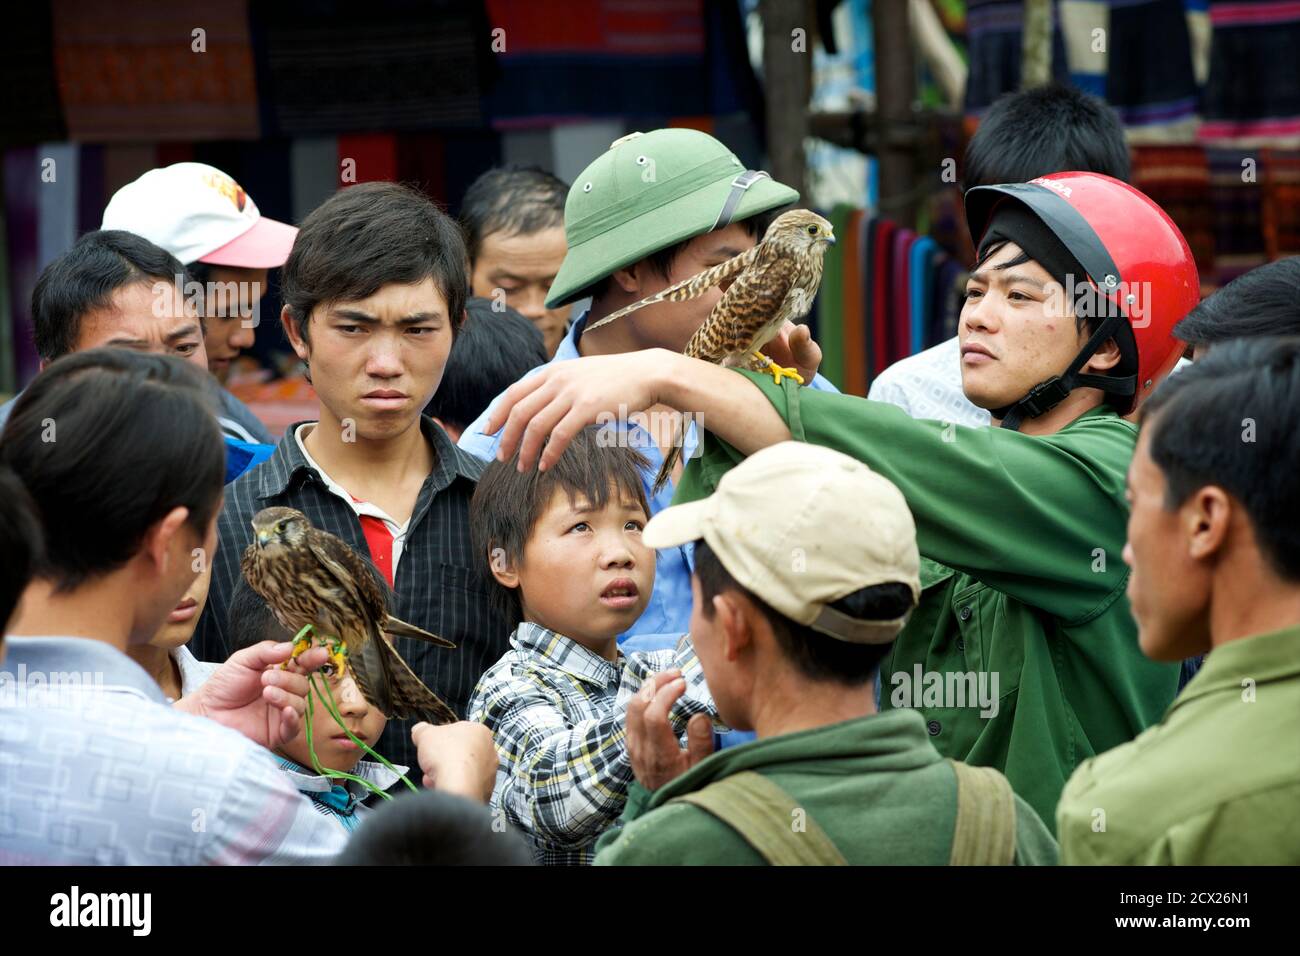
(788, 31)
(895, 96)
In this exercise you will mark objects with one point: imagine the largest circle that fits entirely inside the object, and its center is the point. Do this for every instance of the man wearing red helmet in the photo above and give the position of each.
(1022, 654)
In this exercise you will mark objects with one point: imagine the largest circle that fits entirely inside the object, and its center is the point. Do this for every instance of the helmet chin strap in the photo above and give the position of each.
(1045, 396)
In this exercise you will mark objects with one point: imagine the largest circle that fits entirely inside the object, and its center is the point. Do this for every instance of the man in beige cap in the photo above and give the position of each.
(793, 612)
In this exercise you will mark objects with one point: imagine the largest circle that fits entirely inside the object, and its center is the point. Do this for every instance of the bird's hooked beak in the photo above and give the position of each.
(263, 536)
(829, 238)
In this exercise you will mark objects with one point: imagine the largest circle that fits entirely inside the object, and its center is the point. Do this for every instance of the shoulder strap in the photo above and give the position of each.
(985, 834)
(764, 815)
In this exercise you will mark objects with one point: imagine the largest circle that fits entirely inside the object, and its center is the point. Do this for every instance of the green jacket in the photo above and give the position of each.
(1216, 782)
(876, 785)
(1024, 581)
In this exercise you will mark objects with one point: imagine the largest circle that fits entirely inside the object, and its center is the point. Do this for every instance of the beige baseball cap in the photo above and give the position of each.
(802, 526)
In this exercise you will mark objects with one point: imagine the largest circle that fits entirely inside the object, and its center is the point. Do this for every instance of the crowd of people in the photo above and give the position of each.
(1034, 600)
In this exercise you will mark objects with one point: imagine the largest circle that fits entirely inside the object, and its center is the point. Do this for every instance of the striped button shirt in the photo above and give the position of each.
(438, 583)
(556, 713)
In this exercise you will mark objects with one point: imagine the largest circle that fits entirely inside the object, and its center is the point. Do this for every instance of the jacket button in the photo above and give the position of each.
(965, 613)
(961, 644)
(934, 727)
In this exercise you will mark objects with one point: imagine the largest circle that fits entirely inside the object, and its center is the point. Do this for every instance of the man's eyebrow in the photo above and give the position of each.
(1005, 278)
(364, 318)
(184, 330)
(120, 341)
(725, 253)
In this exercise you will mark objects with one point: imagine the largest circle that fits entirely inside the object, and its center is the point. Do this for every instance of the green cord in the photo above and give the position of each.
(332, 708)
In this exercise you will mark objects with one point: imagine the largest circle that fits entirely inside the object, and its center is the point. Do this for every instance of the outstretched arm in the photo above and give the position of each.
(565, 397)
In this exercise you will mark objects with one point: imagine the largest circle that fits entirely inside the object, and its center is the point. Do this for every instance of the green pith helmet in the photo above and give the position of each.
(649, 191)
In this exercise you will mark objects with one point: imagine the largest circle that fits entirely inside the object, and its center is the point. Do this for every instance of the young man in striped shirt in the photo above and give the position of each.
(374, 294)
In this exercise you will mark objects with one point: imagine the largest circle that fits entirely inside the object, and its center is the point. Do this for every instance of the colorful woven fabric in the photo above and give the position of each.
(138, 72)
(1253, 93)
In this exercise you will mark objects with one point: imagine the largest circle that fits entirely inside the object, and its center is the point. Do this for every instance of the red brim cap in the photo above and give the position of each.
(265, 246)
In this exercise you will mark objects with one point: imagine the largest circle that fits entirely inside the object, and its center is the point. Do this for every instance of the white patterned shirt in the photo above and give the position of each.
(97, 768)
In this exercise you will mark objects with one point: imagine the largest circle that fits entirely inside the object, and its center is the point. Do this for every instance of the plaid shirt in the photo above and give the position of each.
(556, 712)
(438, 584)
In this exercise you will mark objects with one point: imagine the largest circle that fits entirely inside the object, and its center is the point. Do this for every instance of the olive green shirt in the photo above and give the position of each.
(1216, 782)
(1023, 581)
(875, 785)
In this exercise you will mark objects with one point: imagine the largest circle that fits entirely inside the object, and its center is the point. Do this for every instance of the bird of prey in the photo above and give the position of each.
(772, 283)
(308, 576)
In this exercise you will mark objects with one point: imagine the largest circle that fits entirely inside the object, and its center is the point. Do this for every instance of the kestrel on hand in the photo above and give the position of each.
(308, 576)
(772, 283)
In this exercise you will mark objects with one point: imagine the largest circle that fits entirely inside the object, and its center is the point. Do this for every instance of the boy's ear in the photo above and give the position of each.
(502, 568)
(733, 621)
(293, 333)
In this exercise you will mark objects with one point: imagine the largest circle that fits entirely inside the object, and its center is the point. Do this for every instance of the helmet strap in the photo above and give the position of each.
(738, 187)
(1045, 396)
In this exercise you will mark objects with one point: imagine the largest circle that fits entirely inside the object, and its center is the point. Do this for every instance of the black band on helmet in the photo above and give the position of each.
(1045, 396)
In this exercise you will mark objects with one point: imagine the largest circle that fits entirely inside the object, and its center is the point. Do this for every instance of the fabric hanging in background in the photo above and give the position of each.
(141, 71)
(1085, 47)
(392, 66)
(560, 59)
(1238, 219)
(855, 344)
(994, 38)
(881, 274)
(1281, 202)
(313, 173)
(900, 335)
(56, 200)
(1150, 80)
(1253, 93)
(919, 291)
(1177, 178)
(872, 231)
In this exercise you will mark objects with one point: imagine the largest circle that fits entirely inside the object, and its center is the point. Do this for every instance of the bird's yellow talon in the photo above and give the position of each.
(778, 372)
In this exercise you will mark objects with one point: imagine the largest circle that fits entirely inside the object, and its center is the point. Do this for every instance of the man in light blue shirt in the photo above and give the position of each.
(654, 209)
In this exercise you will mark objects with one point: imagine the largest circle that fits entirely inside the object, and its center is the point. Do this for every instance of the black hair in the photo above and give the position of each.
(492, 352)
(661, 260)
(107, 442)
(20, 543)
(1047, 129)
(368, 236)
(1231, 420)
(815, 655)
(515, 200)
(507, 504)
(249, 620)
(1263, 301)
(432, 828)
(85, 278)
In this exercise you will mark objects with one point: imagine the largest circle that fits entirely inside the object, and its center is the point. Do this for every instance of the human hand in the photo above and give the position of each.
(250, 693)
(652, 746)
(457, 758)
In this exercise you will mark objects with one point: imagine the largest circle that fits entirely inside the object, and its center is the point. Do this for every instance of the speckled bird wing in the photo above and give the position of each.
(749, 314)
(690, 288)
(351, 573)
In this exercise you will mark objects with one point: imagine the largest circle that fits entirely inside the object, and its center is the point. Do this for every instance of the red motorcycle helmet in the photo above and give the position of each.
(1138, 265)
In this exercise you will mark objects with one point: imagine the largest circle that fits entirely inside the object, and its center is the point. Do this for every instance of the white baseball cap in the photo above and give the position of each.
(199, 214)
(801, 526)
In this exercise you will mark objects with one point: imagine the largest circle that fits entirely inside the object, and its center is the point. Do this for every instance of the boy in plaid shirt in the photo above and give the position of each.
(565, 553)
